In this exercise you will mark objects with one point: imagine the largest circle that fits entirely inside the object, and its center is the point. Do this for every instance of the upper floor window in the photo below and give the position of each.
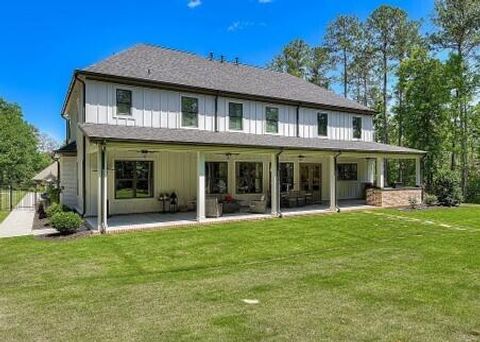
(347, 172)
(189, 111)
(357, 127)
(124, 102)
(235, 114)
(322, 123)
(271, 114)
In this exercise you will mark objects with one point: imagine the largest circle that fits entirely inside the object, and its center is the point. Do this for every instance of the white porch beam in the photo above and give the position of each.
(275, 205)
(380, 172)
(333, 182)
(200, 186)
(418, 171)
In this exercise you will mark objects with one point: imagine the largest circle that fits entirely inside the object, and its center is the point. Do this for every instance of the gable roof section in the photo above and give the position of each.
(171, 67)
(208, 138)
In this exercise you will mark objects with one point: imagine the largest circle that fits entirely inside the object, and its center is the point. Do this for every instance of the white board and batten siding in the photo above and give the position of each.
(68, 181)
(159, 108)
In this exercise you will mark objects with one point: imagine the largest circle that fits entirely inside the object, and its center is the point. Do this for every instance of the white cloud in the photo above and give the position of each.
(196, 3)
(242, 25)
(264, 1)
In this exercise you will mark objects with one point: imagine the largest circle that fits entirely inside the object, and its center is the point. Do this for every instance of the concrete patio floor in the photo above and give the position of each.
(119, 223)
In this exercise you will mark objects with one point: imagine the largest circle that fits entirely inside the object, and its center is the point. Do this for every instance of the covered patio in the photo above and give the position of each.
(129, 222)
(268, 176)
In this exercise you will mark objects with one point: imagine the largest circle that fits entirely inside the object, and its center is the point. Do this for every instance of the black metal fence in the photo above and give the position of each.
(17, 196)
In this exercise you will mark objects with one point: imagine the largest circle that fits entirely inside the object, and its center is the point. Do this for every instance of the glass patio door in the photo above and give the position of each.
(311, 180)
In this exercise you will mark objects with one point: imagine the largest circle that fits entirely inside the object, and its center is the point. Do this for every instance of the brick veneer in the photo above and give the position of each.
(390, 198)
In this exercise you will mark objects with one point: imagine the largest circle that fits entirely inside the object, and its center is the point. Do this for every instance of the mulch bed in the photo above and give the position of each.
(44, 223)
(83, 231)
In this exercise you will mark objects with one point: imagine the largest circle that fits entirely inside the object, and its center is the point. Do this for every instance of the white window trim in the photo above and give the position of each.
(265, 121)
(123, 116)
(227, 115)
(361, 128)
(181, 112)
(328, 126)
(131, 158)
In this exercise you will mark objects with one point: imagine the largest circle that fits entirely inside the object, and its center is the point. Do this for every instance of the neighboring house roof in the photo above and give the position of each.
(70, 148)
(48, 174)
(172, 67)
(199, 138)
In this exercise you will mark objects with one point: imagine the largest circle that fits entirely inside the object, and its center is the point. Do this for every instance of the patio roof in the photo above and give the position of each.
(234, 139)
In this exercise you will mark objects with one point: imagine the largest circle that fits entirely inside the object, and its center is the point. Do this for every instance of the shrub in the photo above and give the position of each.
(446, 186)
(430, 200)
(53, 193)
(413, 202)
(66, 222)
(53, 209)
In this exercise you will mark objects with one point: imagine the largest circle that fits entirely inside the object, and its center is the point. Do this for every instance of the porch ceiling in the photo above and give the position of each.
(207, 139)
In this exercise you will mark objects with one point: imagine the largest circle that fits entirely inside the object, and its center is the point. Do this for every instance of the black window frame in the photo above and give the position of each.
(135, 179)
(248, 178)
(357, 127)
(212, 180)
(269, 120)
(117, 102)
(233, 114)
(324, 125)
(347, 172)
(287, 176)
(189, 112)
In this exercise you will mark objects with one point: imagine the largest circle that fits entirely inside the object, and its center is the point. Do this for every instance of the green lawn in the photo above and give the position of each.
(381, 275)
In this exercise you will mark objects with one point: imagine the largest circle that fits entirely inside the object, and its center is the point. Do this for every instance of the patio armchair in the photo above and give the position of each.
(258, 206)
(213, 208)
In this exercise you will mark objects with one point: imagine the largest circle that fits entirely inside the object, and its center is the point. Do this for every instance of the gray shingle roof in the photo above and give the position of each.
(70, 148)
(151, 63)
(203, 138)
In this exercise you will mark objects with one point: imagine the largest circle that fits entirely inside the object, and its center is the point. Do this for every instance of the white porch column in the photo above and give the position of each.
(274, 185)
(418, 171)
(333, 182)
(370, 170)
(380, 173)
(105, 190)
(200, 186)
(102, 188)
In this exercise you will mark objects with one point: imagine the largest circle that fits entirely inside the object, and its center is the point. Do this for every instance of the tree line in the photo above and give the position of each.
(24, 151)
(423, 86)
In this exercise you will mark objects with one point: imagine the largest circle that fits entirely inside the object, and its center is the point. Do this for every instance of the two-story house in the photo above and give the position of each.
(152, 121)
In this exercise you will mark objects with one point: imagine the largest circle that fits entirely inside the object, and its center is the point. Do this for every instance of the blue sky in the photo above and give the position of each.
(44, 41)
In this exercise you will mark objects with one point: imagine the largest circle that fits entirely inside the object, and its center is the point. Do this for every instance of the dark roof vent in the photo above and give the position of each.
(222, 58)
(210, 56)
(236, 62)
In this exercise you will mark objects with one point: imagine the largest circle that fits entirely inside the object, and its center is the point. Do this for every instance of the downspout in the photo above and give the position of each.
(279, 205)
(298, 121)
(215, 123)
(84, 151)
(337, 209)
